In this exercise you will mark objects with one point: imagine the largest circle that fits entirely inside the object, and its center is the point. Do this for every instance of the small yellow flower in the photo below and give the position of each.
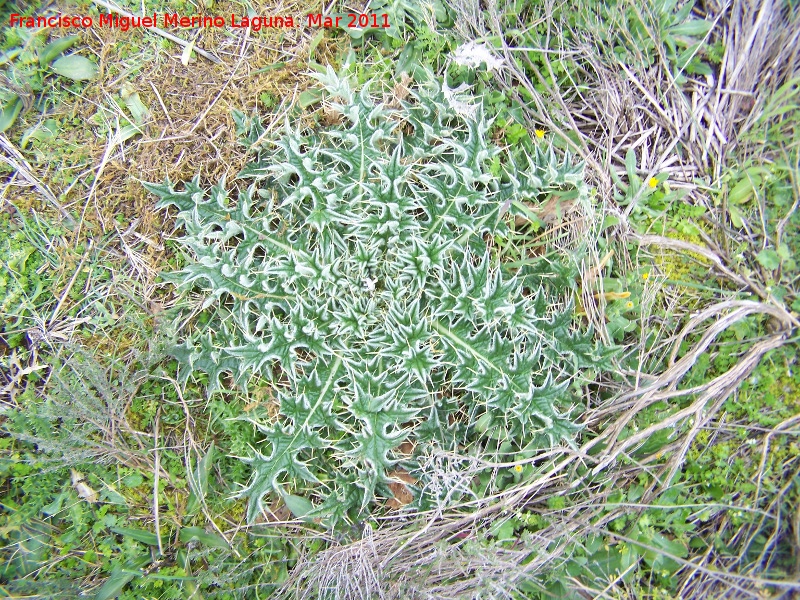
(518, 468)
(629, 304)
(645, 276)
(539, 133)
(652, 182)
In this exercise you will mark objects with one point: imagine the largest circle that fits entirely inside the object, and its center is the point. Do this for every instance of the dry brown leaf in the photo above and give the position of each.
(82, 488)
(278, 512)
(406, 447)
(402, 495)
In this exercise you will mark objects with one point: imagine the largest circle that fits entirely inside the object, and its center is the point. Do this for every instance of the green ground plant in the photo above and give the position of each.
(354, 276)
(21, 281)
(79, 482)
(27, 63)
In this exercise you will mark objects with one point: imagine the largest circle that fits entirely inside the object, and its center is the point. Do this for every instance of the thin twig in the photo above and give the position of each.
(161, 102)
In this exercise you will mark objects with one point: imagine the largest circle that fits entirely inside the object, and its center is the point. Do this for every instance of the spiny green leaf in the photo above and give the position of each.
(286, 446)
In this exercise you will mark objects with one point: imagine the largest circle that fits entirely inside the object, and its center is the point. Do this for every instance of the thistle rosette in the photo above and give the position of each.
(353, 273)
